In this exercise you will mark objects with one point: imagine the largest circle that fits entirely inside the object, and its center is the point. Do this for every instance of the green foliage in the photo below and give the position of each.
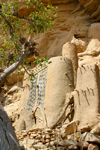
(41, 61)
(14, 25)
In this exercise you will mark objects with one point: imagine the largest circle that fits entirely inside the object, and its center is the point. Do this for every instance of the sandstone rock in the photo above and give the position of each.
(8, 100)
(53, 139)
(86, 59)
(37, 141)
(40, 132)
(37, 146)
(47, 136)
(52, 143)
(28, 120)
(28, 143)
(85, 128)
(22, 125)
(44, 136)
(96, 129)
(69, 128)
(25, 92)
(59, 76)
(33, 135)
(75, 136)
(85, 94)
(12, 108)
(93, 48)
(17, 96)
(92, 8)
(83, 144)
(44, 141)
(47, 140)
(93, 31)
(61, 148)
(13, 89)
(93, 147)
(32, 100)
(69, 50)
(67, 143)
(38, 137)
(81, 44)
(73, 147)
(48, 130)
(63, 30)
(14, 77)
(98, 116)
(89, 137)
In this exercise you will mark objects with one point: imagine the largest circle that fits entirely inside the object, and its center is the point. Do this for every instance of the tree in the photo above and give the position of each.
(13, 31)
(39, 20)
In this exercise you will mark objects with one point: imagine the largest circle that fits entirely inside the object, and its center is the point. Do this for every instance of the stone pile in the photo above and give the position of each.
(48, 139)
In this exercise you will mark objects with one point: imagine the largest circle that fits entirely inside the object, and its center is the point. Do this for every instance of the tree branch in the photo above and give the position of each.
(10, 27)
(10, 69)
(29, 48)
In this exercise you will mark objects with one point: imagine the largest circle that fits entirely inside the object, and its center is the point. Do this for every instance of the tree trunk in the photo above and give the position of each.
(10, 69)
(8, 140)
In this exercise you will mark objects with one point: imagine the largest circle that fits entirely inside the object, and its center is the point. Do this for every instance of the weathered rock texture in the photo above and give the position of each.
(52, 139)
(87, 97)
(51, 99)
(92, 52)
(94, 31)
(92, 7)
(46, 97)
(59, 79)
(32, 101)
(75, 25)
(69, 50)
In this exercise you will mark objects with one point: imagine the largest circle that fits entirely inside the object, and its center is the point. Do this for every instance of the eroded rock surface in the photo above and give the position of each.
(92, 7)
(87, 90)
(62, 103)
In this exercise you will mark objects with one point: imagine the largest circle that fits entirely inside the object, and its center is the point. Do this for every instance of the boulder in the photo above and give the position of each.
(69, 50)
(69, 128)
(74, 136)
(83, 144)
(81, 43)
(65, 143)
(96, 129)
(59, 79)
(89, 137)
(13, 89)
(93, 31)
(87, 97)
(93, 147)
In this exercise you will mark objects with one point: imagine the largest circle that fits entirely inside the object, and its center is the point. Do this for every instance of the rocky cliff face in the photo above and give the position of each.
(75, 35)
(72, 22)
(92, 8)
